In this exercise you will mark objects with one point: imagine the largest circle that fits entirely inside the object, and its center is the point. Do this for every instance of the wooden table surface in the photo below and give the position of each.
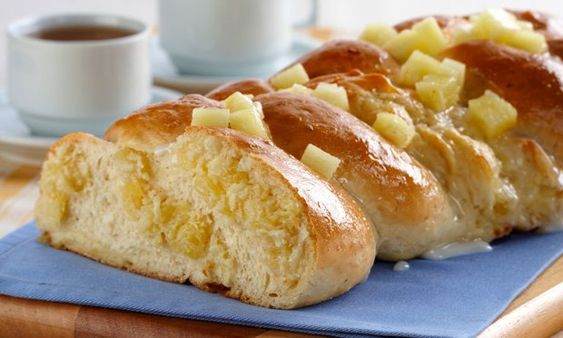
(537, 312)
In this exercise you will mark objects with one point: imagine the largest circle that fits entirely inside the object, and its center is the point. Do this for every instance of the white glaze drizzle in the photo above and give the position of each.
(401, 266)
(457, 249)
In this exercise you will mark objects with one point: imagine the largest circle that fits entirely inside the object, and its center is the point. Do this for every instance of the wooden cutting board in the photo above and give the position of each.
(537, 312)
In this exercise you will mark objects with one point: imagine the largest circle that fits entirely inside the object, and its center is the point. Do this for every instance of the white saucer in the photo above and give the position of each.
(166, 74)
(18, 146)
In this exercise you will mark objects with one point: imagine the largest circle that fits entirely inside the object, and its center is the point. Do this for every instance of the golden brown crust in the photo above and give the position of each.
(531, 83)
(353, 80)
(384, 178)
(392, 172)
(159, 123)
(251, 86)
(397, 192)
(342, 56)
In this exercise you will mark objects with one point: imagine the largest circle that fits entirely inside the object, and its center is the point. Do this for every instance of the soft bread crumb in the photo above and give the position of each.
(230, 223)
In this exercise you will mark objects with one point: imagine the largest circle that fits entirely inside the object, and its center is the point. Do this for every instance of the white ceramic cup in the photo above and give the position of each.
(64, 86)
(225, 37)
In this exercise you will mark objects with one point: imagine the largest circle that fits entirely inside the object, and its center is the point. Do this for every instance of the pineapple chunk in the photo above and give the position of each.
(210, 117)
(320, 161)
(438, 92)
(401, 46)
(56, 209)
(425, 36)
(378, 33)
(332, 94)
(455, 69)
(462, 33)
(419, 65)
(431, 38)
(133, 195)
(523, 39)
(249, 122)
(491, 114)
(259, 110)
(502, 27)
(394, 129)
(238, 101)
(438, 84)
(290, 76)
(525, 25)
(492, 23)
(298, 89)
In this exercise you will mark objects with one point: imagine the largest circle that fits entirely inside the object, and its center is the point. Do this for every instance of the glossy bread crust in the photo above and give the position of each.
(158, 123)
(251, 86)
(531, 83)
(342, 56)
(404, 200)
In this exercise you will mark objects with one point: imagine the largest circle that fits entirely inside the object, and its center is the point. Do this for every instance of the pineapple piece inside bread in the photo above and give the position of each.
(227, 212)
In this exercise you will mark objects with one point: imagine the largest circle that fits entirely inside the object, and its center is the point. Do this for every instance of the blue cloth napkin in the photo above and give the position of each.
(457, 297)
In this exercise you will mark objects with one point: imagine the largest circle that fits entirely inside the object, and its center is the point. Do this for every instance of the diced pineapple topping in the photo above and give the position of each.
(491, 114)
(289, 77)
(493, 22)
(394, 129)
(332, 94)
(525, 40)
(320, 161)
(425, 36)
(249, 121)
(462, 32)
(259, 110)
(438, 92)
(298, 89)
(502, 27)
(378, 33)
(456, 69)
(419, 65)
(438, 84)
(210, 117)
(238, 101)
(242, 114)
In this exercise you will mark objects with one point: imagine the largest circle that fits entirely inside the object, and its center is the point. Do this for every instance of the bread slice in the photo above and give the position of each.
(228, 213)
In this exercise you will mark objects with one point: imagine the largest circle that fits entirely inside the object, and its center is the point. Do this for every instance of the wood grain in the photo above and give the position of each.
(30, 318)
(540, 317)
(548, 279)
(38, 319)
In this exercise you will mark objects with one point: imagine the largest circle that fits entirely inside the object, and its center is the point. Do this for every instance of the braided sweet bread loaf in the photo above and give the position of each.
(493, 183)
(449, 131)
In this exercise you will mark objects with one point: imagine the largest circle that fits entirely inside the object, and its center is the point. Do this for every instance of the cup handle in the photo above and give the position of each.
(312, 18)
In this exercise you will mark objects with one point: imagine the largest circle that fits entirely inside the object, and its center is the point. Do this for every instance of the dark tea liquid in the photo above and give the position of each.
(82, 33)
